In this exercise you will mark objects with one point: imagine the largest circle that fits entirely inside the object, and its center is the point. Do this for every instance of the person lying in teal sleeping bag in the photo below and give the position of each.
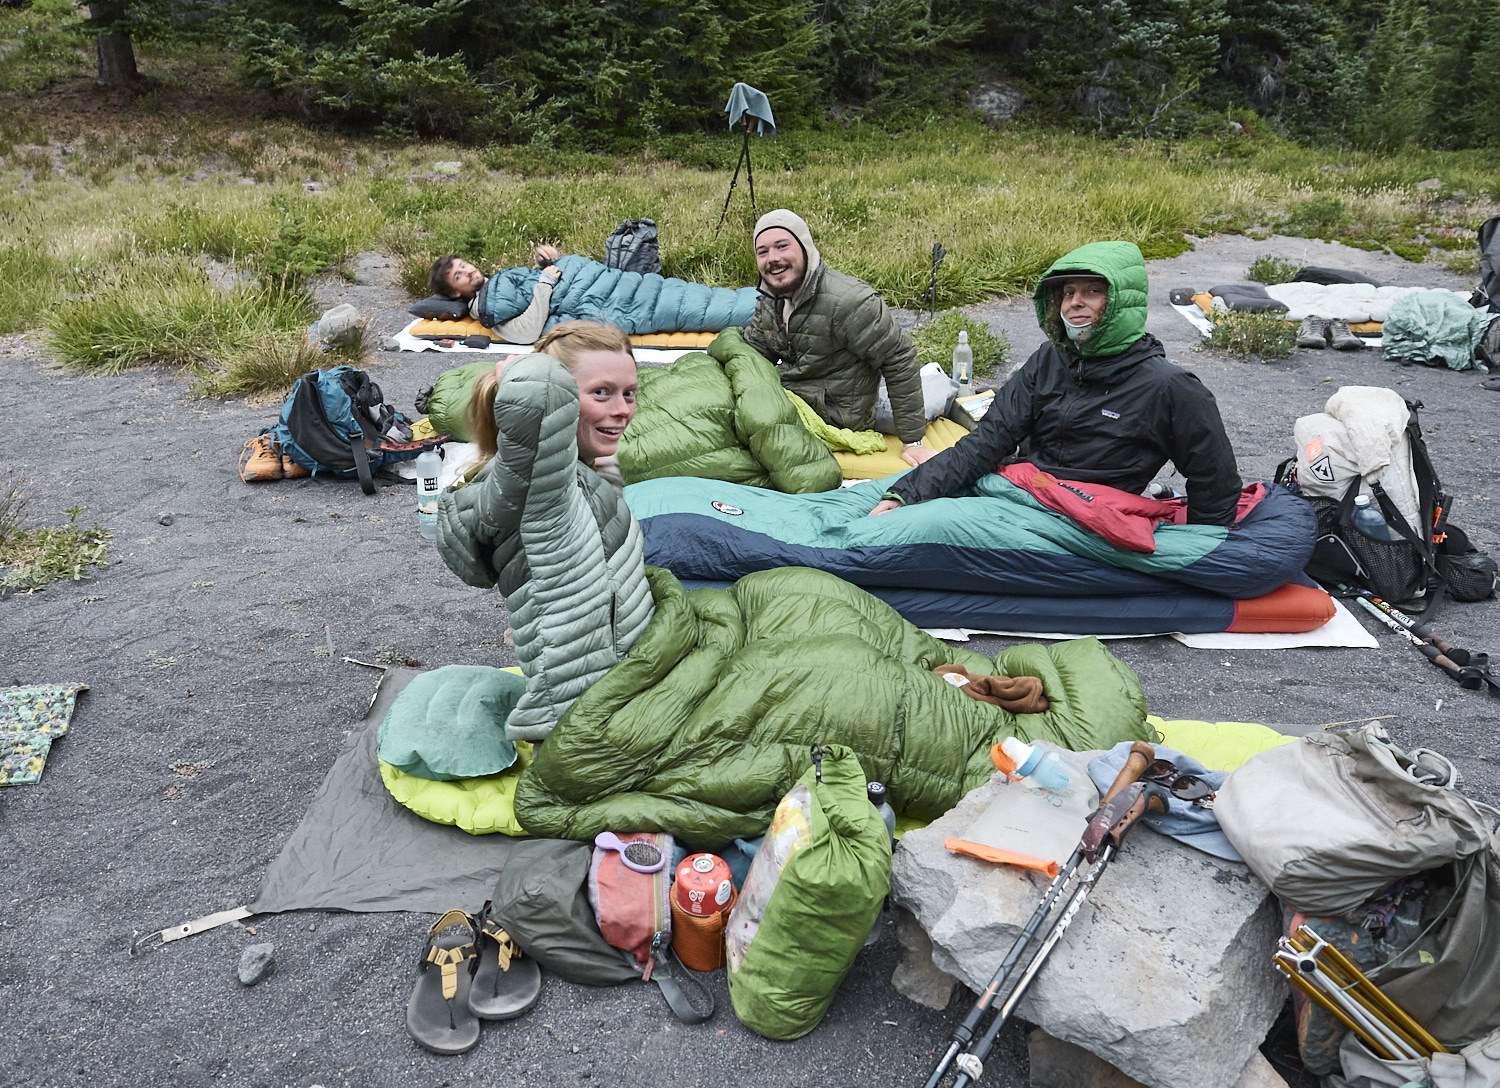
(522, 303)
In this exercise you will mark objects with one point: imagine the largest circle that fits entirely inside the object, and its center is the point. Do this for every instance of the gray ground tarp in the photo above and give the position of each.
(358, 850)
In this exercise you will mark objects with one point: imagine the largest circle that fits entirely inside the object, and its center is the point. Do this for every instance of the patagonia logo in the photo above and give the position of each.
(1084, 495)
(1108, 414)
(725, 508)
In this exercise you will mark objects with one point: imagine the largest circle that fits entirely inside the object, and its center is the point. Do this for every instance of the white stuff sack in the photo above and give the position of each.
(938, 391)
(1360, 432)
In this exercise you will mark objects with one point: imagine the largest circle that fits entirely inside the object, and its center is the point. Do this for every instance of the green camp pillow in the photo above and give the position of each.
(449, 723)
(480, 806)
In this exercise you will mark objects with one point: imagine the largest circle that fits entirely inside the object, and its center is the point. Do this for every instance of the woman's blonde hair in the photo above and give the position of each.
(565, 343)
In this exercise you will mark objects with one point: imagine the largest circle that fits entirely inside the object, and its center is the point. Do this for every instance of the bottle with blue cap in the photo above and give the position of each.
(1044, 770)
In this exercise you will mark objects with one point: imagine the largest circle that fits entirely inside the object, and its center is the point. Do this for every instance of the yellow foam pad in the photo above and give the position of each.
(941, 434)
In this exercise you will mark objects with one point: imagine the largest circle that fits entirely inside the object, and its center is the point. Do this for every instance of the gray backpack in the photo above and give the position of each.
(1332, 820)
(633, 247)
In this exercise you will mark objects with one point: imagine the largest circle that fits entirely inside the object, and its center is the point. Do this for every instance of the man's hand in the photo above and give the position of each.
(915, 455)
(546, 252)
(885, 506)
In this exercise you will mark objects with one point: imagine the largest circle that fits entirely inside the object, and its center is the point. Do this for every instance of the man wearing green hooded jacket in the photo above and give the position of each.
(1098, 402)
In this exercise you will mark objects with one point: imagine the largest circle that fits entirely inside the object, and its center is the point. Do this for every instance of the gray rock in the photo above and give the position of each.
(917, 977)
(1430, 184)
(165, 518)
(1000, 102)
(452, 167)
(1056, 1064)
(390, 343)
(257, 963)
(1165, 972)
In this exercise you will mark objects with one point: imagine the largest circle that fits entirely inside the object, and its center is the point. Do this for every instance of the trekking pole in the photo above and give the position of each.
(1467, 676)
(1123, 802)
(1457, 654)
(929, 298)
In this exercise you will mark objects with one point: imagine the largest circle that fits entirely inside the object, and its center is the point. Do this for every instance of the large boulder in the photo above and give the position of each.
(1165, 973)
(999, 102)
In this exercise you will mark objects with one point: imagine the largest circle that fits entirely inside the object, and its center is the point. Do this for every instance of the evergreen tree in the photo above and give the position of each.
(1399, 77)
(895, 54)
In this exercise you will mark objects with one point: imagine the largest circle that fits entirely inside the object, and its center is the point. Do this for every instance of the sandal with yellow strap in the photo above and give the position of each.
(438, 1016)
(506, 984)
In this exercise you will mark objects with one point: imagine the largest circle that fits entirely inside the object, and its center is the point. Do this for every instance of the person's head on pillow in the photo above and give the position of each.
(600, 360)
(454, 277)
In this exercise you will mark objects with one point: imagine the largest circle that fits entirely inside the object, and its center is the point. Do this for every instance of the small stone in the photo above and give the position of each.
(448, 167)
(1430, 184)
(257, 963)
(165, 518)
(312, 926)
(390, 343)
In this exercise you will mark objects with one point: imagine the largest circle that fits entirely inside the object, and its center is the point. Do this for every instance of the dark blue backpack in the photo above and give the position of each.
(336, 422)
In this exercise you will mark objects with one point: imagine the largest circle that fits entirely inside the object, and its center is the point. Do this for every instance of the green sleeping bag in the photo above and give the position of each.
(834, 874)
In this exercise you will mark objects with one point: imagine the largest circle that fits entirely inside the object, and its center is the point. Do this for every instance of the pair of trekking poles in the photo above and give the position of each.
(1469, 668)
(1127, 801)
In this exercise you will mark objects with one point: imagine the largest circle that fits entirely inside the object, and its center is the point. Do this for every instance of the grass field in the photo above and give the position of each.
(151, 231)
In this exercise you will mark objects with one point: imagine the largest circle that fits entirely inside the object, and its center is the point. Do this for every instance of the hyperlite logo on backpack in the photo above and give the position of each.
(336, 422)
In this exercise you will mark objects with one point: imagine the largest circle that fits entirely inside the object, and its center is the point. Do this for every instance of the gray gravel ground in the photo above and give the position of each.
(213, 717)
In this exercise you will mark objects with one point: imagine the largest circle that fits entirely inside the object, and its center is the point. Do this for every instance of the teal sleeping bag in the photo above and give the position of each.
(636, 302)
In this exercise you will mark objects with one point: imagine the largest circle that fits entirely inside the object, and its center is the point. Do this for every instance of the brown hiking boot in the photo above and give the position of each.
(1314, 332)
(260, 461)
(291, 469)
(1342, 338)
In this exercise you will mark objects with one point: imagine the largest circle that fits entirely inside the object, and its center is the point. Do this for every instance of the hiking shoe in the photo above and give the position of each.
(291, 470)
(260, 461)
(1341, 338)
(1314, 333)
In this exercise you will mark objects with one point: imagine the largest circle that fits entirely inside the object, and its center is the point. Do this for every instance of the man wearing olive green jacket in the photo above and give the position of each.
(831, 337)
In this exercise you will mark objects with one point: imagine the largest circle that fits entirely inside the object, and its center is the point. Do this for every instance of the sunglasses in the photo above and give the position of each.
(1184, 787)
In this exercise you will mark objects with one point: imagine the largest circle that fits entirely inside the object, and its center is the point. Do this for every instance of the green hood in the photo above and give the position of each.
(1124, 320)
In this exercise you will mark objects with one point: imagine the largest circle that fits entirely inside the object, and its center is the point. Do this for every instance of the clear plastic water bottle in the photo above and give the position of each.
(1367, 519)
(876, 792)
(429, 468)
(963, 365)
(1040, 769)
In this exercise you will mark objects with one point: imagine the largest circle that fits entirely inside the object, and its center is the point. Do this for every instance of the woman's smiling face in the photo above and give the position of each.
(606, 401)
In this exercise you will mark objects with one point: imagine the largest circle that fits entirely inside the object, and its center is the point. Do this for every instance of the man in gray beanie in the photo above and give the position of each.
(831, 337)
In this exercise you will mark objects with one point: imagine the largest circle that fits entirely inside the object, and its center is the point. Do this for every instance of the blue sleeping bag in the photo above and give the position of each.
(995, 559)
(636, 302)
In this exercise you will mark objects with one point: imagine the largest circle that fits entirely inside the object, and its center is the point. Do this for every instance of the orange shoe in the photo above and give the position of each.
(291, 469)
(260, 460)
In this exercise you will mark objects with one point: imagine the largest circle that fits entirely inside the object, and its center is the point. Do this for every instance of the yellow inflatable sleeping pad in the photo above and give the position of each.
(432, 329)
(1219, 746)
(941, 433)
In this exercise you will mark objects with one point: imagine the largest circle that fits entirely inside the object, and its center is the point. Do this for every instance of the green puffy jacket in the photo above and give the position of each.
(557, 539)
(723, 416)
(706, 724)
(834, 340)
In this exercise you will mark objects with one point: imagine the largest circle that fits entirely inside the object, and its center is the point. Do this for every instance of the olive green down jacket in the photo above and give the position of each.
(707, 722)
(833, 341)
(556, 538)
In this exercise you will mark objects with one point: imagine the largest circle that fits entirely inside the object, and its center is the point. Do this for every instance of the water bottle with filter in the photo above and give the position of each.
(876, 792)
(429, 468)
(1038, 769)
(963, 365)
(1367, 519)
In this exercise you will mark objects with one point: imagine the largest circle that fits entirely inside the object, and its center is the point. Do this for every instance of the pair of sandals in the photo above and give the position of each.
(477, 974)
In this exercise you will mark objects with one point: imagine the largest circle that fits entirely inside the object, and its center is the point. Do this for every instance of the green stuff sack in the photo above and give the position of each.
(813, 892)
